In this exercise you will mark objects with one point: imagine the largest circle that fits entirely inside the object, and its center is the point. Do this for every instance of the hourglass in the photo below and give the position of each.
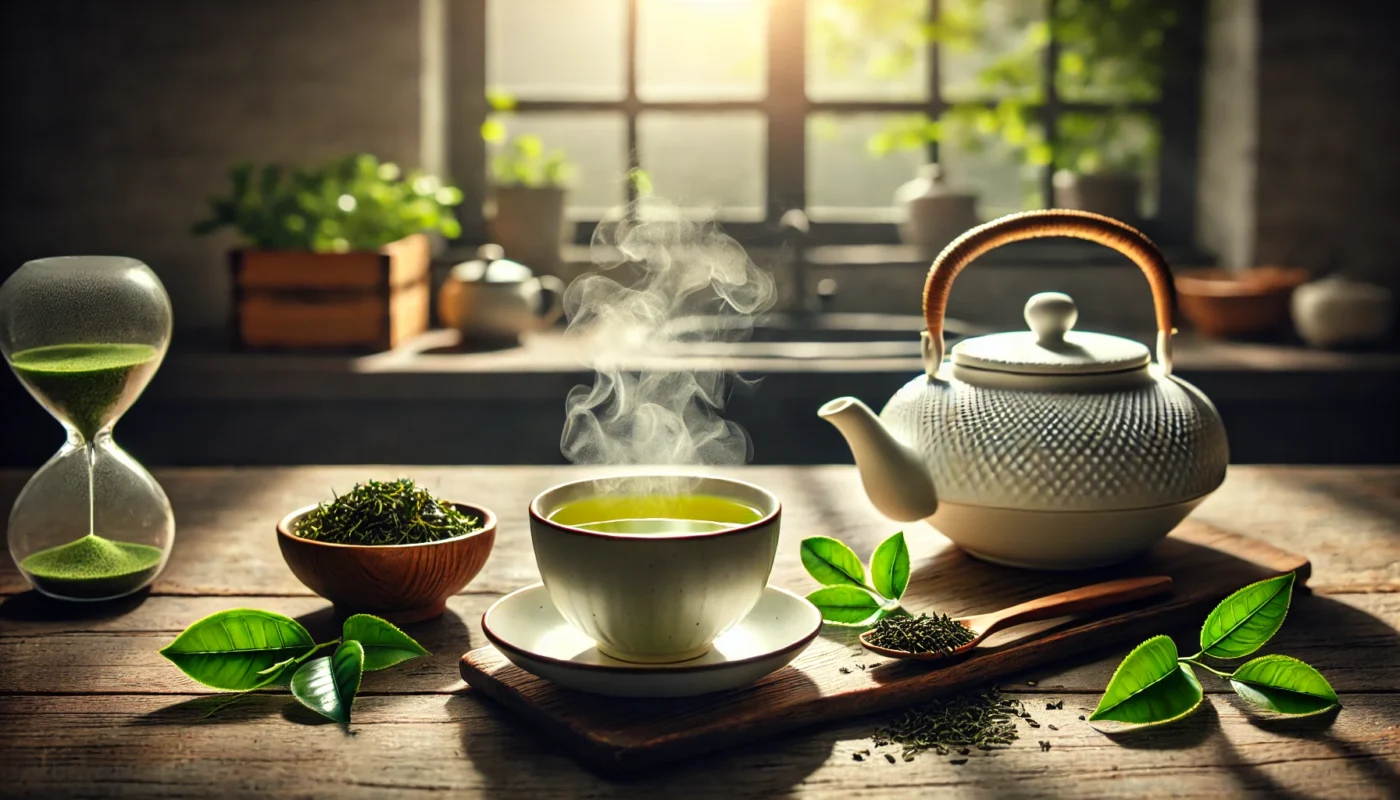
(85, 334)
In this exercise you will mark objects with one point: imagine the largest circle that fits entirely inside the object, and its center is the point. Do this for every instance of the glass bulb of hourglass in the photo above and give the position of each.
(84, 335)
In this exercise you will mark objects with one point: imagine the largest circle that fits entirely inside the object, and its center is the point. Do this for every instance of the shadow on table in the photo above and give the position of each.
(219, 709)
(515, 758)
(31, 606)
(1375, 769)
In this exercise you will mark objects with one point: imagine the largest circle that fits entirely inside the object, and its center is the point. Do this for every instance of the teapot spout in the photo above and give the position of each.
(895, 477)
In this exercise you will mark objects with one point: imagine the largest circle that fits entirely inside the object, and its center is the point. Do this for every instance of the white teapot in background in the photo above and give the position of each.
(493, 299)
(1049, 448)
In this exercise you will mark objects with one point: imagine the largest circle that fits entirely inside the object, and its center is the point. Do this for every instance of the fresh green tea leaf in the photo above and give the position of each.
(328, 685)
(1247, 619)
(385, 645)
(831, 562)
(889, 567)
(236, 649)
(1150, 687)
(847, 605)
(1285, 685)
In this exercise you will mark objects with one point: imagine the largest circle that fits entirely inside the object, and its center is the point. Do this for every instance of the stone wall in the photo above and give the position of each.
(122, 116)
(1300, 164)
(1229, 136)
(1329, 136)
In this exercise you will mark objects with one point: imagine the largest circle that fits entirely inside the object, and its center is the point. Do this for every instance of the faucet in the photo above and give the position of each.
(806, 303)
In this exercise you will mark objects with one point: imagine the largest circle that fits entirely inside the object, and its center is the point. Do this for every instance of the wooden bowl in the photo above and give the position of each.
(1225, 304)
(400, 582)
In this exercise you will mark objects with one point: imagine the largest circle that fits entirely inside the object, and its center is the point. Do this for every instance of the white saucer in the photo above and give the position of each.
(528, 630)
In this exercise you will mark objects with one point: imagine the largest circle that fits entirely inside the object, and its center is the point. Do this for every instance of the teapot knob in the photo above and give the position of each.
(1051, 315)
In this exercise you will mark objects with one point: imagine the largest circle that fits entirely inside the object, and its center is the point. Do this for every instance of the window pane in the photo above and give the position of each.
(991, 48)
(844, 180)
(594, 143)
(1112, 142)
(557, 49)
(706, 161)
(867, 50)
(701, 49)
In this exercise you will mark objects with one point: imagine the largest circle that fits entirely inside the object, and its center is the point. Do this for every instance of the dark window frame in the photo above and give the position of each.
(786, 108)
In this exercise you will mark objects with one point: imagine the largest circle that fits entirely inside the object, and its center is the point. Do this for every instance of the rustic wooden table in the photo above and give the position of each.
(88, 707)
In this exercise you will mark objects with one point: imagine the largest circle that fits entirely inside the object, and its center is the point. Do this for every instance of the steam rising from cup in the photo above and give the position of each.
(662, 280)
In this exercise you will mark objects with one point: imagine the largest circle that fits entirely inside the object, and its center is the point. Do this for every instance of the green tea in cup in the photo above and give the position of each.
(654, 567)
(655, 514)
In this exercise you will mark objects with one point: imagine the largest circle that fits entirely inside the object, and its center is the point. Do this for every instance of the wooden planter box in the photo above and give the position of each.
(295, 300)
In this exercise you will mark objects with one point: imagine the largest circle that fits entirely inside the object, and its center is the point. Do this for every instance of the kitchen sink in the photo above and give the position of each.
(801, 336)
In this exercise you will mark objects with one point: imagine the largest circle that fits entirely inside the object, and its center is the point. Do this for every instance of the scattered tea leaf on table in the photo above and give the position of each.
(234, 649)
(1247, 619)
(1150, 687)
(847, 605)
(328, 685)
(831, 562)
(889, 567)
(1283, 684)
(385, 645)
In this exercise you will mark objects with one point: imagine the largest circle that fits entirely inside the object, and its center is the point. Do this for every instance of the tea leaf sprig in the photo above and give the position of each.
(1155, 685)
(243, 649)
(849, 597)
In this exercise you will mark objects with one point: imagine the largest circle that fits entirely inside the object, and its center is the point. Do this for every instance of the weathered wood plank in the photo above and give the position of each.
(1351, 638)
(420, 745)
(1346, 520)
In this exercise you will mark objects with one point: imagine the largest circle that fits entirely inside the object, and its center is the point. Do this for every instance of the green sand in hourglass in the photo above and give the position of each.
(83, 383)
(92, 567)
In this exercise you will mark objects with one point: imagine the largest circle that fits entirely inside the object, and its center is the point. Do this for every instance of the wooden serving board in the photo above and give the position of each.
(619, 734)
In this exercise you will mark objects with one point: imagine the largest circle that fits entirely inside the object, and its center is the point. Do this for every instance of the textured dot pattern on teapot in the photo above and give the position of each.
(1152, 445)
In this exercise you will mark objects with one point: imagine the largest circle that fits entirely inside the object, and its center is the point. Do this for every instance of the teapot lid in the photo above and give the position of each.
(1050, 347)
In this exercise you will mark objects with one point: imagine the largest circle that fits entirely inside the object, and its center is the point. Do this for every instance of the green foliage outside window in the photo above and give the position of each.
(1111, 54)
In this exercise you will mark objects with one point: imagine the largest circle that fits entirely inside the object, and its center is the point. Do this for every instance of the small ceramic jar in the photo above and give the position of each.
(1335, 311)
(934, 215)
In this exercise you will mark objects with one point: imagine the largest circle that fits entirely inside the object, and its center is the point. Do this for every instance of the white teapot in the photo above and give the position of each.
(1049, 448)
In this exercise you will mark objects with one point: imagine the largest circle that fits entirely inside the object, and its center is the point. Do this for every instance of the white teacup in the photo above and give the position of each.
(654, 597)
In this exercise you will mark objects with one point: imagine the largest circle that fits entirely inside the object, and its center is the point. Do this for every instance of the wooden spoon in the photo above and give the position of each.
(1074, 601)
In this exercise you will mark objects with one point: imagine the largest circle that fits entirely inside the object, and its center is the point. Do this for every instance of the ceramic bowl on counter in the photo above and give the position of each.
(1249, 303)
(402, 583)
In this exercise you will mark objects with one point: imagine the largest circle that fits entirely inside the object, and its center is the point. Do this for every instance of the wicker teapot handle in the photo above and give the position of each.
(1039, 224)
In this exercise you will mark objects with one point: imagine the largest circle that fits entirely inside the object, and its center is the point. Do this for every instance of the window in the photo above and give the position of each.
(747, 108)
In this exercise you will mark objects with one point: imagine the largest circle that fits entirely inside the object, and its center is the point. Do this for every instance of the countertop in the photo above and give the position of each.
(89, 708)
(431, 403)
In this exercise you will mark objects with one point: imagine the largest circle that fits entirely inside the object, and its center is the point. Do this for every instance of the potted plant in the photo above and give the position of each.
(335, 256)
(529, 184)
(1098, 161)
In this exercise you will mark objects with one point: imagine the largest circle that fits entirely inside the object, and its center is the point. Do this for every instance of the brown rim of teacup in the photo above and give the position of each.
(488, 523)
(536, 516)
(639, 667)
